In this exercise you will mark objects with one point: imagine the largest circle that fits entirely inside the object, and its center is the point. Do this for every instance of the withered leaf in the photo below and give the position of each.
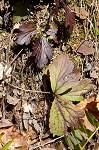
(4, 123)
(65, 79)
(89, 105)
(63, 114)
(20, 139)
(81, 12)
(86, 48)
(42, 52)
(12, 100)
(26, 33)
(69, 19)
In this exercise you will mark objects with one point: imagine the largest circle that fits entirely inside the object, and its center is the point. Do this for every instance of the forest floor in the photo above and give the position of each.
(24, 106)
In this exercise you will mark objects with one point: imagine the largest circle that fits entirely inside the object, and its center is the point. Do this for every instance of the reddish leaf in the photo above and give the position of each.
(42, 52)
(27, 32)
(69, 19)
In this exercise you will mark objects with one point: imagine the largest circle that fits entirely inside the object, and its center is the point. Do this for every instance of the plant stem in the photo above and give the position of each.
(90, 138)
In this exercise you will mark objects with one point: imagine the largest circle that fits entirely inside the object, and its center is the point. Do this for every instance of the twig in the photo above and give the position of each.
(9, 65)
(49, 142)
(31, 91)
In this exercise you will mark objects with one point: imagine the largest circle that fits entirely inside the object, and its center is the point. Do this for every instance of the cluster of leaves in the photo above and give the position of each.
(67, 88)
(66, 82)
(42, 50)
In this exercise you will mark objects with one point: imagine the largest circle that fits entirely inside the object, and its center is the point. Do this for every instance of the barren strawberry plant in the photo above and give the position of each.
(49, 75)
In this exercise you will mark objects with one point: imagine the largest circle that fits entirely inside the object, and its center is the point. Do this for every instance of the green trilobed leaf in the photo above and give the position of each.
(63, 114)
(77, 89)
(65, 79)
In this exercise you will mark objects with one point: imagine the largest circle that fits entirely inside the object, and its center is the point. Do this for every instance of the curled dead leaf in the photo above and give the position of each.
(91, 105)
(82, 105)
(13, 100)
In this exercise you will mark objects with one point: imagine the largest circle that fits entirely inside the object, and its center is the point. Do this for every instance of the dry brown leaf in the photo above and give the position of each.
(86, 48)
(91, 105)
(13, 100)
(83, 104)
(20, 141)
(4, 123)
(81, 12)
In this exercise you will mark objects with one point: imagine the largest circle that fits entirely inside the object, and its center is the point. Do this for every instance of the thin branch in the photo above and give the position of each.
(90, 138)
(9, 65)
(49, 142)
(31, 91)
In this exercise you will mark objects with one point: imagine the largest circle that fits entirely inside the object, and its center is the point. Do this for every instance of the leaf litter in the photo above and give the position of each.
(33, 117)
